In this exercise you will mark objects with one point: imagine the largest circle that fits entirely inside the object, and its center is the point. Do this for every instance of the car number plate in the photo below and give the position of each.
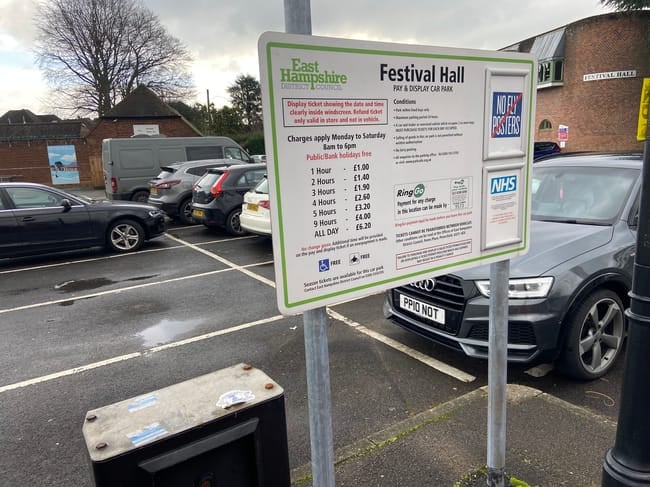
(422, 309)
(197, 213)
(252, 207)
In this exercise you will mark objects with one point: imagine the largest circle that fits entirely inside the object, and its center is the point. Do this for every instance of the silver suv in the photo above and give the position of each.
(171, 190)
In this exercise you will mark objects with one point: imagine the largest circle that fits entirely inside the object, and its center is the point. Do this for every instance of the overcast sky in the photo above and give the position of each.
(222, 35)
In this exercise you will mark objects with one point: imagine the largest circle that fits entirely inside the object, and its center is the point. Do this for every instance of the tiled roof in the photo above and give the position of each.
(26, 116)
(142, 103)
(69, 129)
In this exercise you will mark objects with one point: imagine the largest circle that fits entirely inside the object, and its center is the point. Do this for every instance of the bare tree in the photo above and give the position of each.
(626, 5)
(246, 99)
(95, 52)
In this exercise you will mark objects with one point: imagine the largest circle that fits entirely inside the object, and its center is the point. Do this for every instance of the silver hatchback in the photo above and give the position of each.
(171, 190)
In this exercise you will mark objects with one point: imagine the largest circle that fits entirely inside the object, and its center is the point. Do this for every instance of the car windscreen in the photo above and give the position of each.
(580, 193)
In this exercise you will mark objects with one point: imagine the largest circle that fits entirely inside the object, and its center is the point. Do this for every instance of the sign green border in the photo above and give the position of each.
(376, 52)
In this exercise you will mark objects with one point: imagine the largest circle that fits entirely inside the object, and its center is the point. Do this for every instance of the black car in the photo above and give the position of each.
(542, 149)
(568, 294)
(35, 218)
(218, 196)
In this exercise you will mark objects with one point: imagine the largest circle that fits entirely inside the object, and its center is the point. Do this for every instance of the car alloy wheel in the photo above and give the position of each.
(233, 226)
(597, 331)
(185, 212)
(125, 236)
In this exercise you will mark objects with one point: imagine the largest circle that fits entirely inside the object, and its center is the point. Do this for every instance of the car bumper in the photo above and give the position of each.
(255, 224)
(209, 217)
(156, 226)
(118, 196)
(170, 209)
(533, 328)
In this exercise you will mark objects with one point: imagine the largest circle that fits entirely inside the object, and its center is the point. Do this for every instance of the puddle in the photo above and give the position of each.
(141, 278)
(166, 331)
(82, 284)
(74, 285)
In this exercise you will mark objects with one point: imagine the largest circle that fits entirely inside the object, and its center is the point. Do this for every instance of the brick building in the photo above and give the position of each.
(67, 153)
(589, 81)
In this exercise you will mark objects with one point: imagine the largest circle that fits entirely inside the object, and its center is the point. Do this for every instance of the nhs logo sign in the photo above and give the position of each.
(503, 184)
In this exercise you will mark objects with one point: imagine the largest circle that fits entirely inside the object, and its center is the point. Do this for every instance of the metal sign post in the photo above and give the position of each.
(497, 373)
(297, 20)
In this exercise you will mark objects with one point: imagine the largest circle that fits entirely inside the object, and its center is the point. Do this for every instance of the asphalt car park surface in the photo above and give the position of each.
(86, 329)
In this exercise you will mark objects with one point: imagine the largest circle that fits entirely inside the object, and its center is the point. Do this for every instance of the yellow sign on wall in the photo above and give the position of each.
(642, 128)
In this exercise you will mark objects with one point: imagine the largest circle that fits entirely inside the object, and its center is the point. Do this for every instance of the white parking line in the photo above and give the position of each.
(130, 356)
(124, 289)
(119, 256)
(425, 359)
(81, 261)
(224, 261)
(431, 362)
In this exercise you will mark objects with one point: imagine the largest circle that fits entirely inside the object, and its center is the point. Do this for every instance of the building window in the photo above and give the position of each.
(550, 73)
(558, 71)
(545, 125)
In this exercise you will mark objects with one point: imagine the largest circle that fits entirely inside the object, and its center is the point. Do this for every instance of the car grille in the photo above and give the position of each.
(447, 293)
(518, 333)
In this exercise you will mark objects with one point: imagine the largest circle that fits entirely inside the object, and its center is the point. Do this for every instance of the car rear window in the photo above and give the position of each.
(166, 171)
(208, 179)
(262, 186)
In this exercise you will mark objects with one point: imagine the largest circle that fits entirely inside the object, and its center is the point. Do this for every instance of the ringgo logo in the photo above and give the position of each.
(416, 192)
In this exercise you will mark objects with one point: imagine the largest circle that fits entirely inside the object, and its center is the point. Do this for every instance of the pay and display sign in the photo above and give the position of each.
(388, 163)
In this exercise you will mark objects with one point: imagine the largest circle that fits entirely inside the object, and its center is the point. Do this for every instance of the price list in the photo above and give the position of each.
(332, 213)
(361, 191)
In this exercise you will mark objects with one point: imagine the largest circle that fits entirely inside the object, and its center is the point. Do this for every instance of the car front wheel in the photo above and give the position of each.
(125, 236)
(595, 337)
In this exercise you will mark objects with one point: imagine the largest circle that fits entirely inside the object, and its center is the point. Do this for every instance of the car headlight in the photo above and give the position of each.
(533, 287)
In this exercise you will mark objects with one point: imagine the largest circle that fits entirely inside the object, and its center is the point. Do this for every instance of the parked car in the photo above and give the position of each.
(171, 191)
(35, 218)
(217, 197)
(541, 149)
(129, 163)
(259, 157)
(256, 210)
(568, 294)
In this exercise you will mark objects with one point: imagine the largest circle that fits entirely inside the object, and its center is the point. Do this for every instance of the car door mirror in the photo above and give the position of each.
(65, 203)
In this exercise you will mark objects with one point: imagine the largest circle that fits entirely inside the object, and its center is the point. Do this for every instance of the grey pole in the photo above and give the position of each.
(318, 391)
(497, 373)
(297, 20)
(297, 17)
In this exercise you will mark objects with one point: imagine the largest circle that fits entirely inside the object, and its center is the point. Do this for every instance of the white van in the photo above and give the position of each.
(130, 163)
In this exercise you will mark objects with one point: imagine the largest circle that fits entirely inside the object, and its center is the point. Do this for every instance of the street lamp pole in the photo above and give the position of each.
(628, 462)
